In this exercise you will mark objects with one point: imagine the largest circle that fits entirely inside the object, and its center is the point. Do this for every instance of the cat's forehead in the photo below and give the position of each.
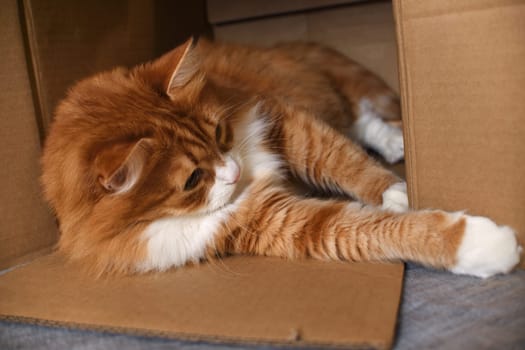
(118, 103)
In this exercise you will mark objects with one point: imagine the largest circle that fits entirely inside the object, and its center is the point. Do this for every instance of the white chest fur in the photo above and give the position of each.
(174, 241)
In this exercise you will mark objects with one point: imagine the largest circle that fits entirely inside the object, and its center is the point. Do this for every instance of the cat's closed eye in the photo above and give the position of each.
(193, 179)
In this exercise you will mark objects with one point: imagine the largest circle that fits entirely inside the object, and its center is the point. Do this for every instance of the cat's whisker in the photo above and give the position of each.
(242, 226)
(226, 111)
(219, 256)
(217, 263)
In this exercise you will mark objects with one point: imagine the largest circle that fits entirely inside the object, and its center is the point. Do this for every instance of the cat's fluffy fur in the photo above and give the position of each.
(187, 157)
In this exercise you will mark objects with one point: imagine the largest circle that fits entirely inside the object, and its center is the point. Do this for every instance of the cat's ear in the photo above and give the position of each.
(119, 166)
(187, 66)
(175, 69)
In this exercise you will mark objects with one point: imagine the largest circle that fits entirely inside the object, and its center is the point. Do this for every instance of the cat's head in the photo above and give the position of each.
(133, 145)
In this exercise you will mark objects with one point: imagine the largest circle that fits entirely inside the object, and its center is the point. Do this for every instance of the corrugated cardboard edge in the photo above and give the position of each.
(182, 336)
(27, 258)
(239, 11)
(28, 33)
(404, 88)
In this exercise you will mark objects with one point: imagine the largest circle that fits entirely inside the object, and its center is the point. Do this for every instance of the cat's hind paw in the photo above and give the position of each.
(395, 198)
(486, 248)
(393, 149)
(374, 132)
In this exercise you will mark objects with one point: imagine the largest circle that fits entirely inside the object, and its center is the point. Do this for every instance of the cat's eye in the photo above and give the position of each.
(218, 133)
(193, 179)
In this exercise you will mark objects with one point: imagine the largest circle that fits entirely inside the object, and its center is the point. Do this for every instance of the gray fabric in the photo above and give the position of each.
(19, 336)
(439, 311)
(445, 311)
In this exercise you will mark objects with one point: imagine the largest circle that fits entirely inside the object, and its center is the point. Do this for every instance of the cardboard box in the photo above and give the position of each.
(50, 44)
(461, 85)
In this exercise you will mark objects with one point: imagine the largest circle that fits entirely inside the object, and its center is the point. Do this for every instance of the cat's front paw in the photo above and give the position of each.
(486, 248)
(395, 198)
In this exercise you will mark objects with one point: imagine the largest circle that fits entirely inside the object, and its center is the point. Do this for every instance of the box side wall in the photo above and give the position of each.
(71, 40)
(463, 80)
(364, 31)
(27, 226)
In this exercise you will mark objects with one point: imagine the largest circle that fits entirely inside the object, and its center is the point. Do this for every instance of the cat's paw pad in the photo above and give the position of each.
(393, 149)
(486, 249)
(395, 198)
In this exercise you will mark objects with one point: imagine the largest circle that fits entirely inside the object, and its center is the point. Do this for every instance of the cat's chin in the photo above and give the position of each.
(220, 196)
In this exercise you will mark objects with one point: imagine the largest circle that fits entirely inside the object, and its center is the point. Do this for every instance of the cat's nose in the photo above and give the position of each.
(230, 172)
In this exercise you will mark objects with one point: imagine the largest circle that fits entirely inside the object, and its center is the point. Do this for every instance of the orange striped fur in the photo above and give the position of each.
(189, 157)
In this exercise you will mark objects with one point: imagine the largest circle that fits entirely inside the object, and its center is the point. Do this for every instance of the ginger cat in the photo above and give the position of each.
(188, 157)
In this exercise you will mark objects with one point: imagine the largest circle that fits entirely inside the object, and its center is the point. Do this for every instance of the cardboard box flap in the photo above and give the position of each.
(254, 300)
(462, 82)
(27, 226)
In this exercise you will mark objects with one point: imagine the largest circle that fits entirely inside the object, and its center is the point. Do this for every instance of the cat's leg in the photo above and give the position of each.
(274, 223)
(327, 160)
(375, 106)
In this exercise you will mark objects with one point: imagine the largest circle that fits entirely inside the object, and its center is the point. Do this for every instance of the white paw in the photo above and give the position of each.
(395, 198)
(486, 248)
(393, 149)
(373, 132)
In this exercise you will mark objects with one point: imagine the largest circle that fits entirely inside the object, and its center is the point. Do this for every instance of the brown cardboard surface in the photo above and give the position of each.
(70, 40)
(262, 300)
(364, 31)
(463, 82)
(27, 225)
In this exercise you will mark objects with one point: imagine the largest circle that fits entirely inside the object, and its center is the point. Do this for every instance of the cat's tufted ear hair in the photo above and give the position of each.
(186, 67)
(176, 68)
(119, 166)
